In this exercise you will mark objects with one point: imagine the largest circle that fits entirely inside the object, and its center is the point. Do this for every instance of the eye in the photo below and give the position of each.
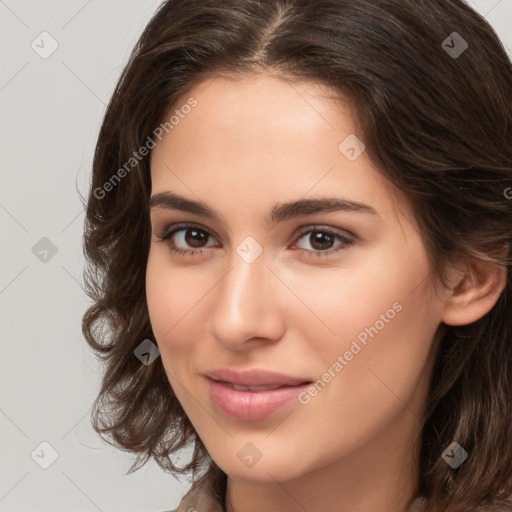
(186, 234)
(322, 239)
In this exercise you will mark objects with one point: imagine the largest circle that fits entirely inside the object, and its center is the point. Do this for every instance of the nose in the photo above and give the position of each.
(248, 306)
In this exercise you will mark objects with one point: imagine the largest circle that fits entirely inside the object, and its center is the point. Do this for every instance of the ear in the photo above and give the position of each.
(475, 292)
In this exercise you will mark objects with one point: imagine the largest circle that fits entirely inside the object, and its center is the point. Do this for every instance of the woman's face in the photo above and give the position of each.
(337, 295)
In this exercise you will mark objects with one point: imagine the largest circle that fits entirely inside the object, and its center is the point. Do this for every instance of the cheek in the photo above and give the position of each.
(172, 303)
(345, 301)
(384, 323)
(171, 299)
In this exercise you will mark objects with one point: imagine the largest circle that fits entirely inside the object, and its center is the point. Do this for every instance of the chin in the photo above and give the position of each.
(273, 464)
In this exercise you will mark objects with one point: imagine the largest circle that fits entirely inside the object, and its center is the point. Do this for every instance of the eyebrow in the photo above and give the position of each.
(280, 212)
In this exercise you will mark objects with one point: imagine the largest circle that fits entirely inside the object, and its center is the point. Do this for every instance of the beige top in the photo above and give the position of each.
(207, 494)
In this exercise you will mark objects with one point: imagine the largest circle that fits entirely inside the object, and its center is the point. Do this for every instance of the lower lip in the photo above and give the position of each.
(251, 405)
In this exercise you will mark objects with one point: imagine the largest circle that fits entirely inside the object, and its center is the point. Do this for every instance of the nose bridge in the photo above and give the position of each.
(244, 306)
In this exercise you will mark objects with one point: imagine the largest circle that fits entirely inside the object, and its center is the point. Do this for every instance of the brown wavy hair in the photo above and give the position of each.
(437, 125)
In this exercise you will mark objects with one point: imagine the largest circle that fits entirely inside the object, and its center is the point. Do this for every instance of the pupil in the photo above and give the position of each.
(317, 240)
(196, 238)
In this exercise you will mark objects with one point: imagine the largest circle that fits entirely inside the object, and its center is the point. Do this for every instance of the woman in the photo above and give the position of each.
(303, 205)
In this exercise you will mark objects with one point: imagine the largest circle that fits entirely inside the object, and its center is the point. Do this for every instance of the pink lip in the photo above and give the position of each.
(247, 405)
(254, 377)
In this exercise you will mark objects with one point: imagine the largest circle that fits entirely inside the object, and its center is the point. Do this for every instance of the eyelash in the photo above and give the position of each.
(347, 242)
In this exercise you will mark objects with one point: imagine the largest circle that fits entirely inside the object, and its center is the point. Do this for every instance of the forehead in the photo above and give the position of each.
(229, 108)
(265, 138)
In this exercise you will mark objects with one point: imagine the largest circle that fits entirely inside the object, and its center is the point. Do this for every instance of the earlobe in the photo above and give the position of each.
(475, 293)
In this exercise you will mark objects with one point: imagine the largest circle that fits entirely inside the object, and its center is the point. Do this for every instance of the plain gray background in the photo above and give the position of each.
(50, 110)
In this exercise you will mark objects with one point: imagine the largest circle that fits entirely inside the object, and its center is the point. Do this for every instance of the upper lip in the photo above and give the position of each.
(254, 377)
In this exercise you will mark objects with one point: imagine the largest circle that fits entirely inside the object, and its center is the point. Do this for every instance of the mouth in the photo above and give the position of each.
(256, 389)
(250, 399)
(254, 378)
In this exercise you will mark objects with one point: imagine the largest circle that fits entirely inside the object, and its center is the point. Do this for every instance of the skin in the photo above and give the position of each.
(249, 144)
